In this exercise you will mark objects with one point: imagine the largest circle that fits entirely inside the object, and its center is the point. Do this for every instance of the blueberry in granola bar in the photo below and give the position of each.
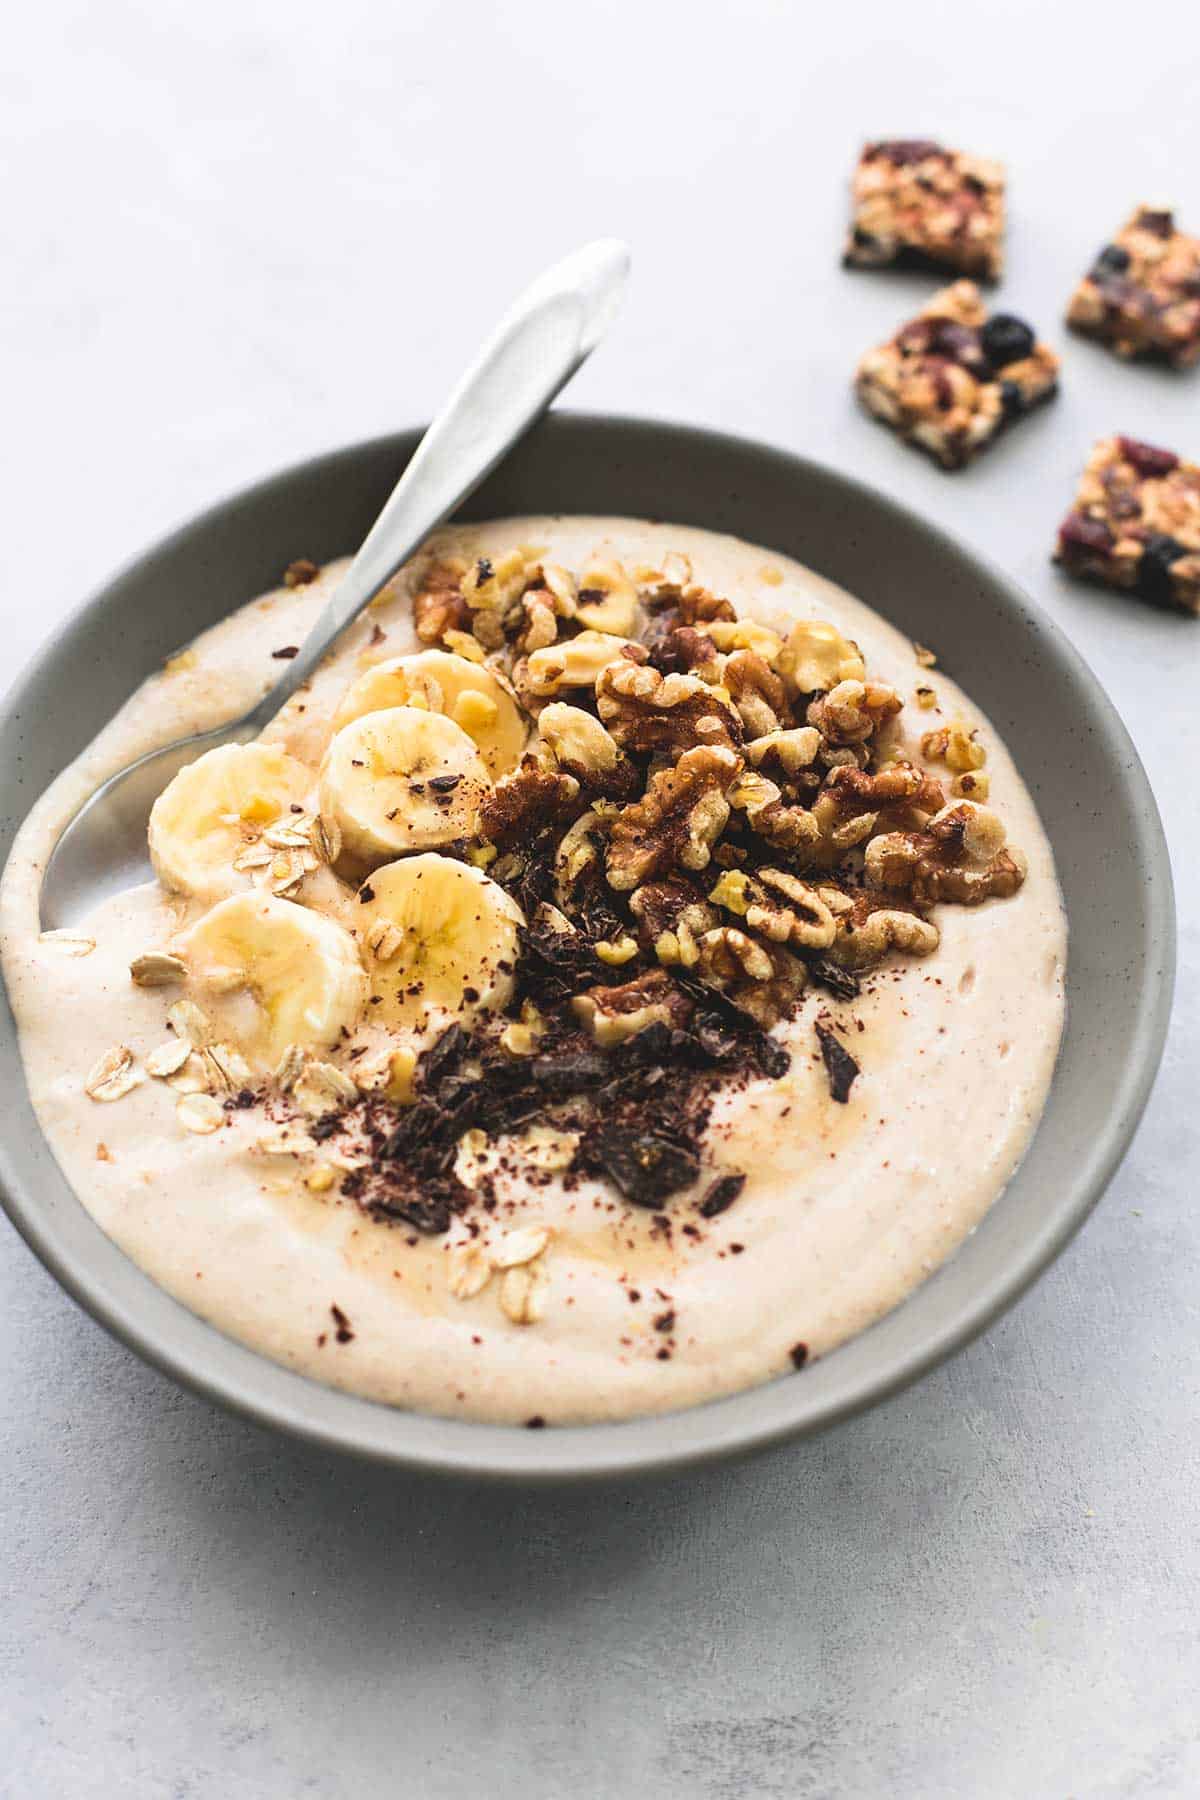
(919, 204)
(1135, 524)
(952, 378)
(1141, 296)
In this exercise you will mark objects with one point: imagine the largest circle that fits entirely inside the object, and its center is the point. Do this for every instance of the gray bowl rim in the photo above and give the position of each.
(165, 1334)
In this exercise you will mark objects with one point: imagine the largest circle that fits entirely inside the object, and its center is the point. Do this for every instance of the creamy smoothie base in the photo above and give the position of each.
(546, 1295)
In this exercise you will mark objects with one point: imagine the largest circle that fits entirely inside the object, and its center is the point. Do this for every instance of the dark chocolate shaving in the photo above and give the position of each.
(840, 1066)
(721, 1195)
(834, 979)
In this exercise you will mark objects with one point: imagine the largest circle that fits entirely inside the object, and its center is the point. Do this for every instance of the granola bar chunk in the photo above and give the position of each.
(953, 377)
(1136, 524)
(1141, 296)
(919, 204)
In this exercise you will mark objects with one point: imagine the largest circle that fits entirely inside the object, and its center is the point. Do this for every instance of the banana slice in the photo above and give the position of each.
(440, 942)
(464, 691)
(214, 807)
(271, 974)
(401, 780)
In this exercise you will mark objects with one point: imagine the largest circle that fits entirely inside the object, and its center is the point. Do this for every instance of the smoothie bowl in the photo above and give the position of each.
(693, 953)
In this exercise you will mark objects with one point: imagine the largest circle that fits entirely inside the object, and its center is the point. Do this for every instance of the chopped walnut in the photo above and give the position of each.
(853, 711)
(683, 650)
(728, 954)
(790, 911)
(770, 817)
(607, 599)
(816, 657)
(521, 803)
(578, 662)
(956, 745)
(960, 856)
(763, 979)
(690, 604)
(649, 713)
(541, 621)
(438, 605)
(757, 692)
(896, 784)
(787, 752)
(860, 944)
(580, 745)
(676, 823)
(672, 916)
(613, 1014)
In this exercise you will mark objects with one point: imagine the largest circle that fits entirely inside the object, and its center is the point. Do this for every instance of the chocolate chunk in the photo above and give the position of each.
(834, 979)
(665, 1320)
(557, 962)
(569, 1074)
(840, 1066)
(723, 1021)
(344, 1334)
(799, 1355)
(646, 1166)
(444, 784)
(285, 653)
(442, 1056)
(721, 1195)
(653, 1045)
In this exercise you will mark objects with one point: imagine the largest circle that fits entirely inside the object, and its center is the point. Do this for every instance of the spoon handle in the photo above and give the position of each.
(532, 354)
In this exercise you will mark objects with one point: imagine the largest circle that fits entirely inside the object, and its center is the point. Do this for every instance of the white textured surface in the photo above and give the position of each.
(236, 234)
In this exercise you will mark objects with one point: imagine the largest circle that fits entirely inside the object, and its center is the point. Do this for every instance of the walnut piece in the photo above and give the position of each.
(853, 711)
(683, 650)
(672, 916)
(579, 662)
(523, 802)
(580, 745)
(607, 599)
(613, 1014)
(783, 826)
(816, 657)
(763, 979)
(786, 752)
(648, 713)
(758, 693)
(860, 944)
(677, 821)
(690, 604)
(438, 605)
(960, 856)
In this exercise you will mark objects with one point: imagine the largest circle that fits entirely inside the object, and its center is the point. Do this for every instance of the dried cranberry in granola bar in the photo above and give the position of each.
(953, 377)
(1141, 296)
(1136, 524)
(918, 203)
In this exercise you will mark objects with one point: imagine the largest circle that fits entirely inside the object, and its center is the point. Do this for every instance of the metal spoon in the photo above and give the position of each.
(533, 353)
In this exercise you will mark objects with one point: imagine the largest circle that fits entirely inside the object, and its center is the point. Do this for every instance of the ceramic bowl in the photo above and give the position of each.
(1069, 743)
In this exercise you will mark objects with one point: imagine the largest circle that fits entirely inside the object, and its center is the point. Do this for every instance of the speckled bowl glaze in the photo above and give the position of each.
(1071, 748)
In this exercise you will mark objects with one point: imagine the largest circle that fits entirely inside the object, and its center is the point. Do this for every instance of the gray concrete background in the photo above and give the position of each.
(238, 233)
